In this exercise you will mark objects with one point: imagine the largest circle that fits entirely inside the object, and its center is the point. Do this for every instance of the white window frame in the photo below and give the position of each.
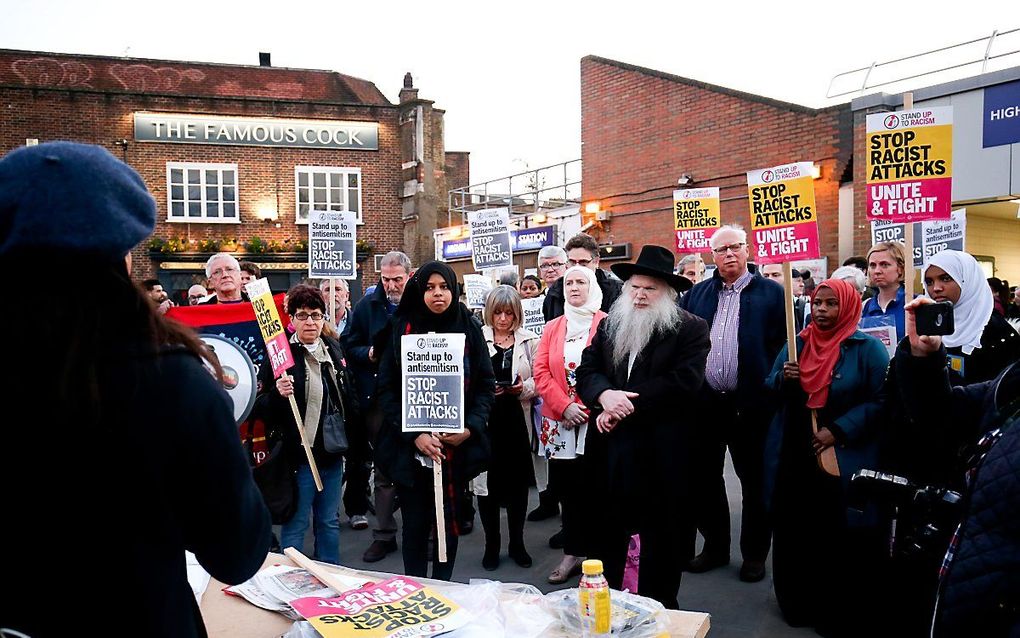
(344, 172)
(202, 167)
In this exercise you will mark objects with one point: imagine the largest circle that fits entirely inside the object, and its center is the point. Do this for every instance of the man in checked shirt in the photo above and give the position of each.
(748, 328)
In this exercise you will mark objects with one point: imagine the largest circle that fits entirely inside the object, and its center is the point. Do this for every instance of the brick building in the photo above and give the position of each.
(235, 156)
(643, 129)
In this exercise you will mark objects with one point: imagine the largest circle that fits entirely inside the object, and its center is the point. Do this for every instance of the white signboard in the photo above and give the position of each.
(930, 237)
(331, 240)
(533, 319)
(432, 399)
(490, 238)
(476, 288)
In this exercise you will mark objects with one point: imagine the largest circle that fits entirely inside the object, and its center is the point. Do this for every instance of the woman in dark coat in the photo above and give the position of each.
(429, 304)
(983, 343)
(319, 359)
(818, 546)
(126, 453)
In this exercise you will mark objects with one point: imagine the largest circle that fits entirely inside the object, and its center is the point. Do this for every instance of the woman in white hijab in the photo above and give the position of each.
(564, 416)
(983, 343)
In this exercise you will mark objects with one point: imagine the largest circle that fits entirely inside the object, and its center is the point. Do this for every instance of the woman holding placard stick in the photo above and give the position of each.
(818, 545)
(429, 305)
(321, 385)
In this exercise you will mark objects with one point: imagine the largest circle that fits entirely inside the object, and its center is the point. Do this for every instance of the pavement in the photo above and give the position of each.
(747, 610)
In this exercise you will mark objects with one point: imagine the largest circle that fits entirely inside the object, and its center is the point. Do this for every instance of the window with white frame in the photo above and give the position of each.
(202, 193)
(327, 188)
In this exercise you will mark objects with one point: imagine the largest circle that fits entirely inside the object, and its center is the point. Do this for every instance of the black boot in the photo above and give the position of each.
(547, 507)
(515, 513)
(488, 511)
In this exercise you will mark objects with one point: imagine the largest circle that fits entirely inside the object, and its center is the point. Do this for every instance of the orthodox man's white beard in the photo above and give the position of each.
(631, 328)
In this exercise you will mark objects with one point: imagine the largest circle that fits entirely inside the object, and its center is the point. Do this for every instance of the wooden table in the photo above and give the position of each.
(232, 617)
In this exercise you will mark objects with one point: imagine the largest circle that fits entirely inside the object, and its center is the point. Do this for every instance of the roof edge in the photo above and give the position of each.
(751, 97)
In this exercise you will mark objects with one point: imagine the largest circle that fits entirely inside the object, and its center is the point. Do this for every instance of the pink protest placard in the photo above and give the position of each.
(784, 220)
(277, 348)
(397, 607)
(910, 165)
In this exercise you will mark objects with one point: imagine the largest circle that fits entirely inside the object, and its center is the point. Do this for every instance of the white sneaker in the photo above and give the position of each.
(359, 521)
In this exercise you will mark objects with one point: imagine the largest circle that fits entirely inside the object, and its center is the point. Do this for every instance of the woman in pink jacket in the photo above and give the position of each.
(564, 416)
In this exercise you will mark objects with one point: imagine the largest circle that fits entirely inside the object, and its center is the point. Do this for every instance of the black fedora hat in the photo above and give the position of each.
(654, 261)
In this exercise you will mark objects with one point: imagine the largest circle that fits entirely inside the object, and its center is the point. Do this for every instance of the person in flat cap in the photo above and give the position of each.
(128, 454)
(646, 362)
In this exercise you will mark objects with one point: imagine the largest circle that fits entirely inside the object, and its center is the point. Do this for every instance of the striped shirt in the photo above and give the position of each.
(721, 370)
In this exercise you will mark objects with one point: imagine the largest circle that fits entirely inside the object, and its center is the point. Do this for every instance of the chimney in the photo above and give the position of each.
(408, 93)
(264, 58)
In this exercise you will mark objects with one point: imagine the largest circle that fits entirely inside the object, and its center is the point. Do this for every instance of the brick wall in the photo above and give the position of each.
(265, 175)
(458, 169)
(641, 129)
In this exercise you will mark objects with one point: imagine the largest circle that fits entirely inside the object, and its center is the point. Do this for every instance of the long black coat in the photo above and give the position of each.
(116, 505)
(395, 452)
(647, 450)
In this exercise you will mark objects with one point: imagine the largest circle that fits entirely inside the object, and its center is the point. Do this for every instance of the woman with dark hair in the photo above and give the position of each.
(429, 304)
(127, 439)
(531, 287)
(321, 384)
(819, 546)
(1000, 292)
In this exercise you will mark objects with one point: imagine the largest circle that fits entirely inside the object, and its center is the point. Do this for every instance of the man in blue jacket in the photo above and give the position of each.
(369, 322)
(748, 328)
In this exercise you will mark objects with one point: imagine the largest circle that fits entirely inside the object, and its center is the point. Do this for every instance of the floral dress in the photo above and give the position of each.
(555, 441)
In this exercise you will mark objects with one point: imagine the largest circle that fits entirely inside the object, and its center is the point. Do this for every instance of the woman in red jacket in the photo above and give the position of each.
(564, 416)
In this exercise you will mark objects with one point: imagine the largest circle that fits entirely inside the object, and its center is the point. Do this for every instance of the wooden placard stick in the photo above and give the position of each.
(827, 458)
(791, 326)
(315, 569)
(437, 488)
(908, 234)
(304, 440)
(332, 301)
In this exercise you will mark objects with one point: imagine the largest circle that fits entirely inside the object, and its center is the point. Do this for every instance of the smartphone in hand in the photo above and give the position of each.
(935, 319)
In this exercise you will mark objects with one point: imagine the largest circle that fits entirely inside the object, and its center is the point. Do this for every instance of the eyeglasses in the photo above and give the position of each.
(552, 265)
(305, 316)
(196, 296)
(219, 272)
(580, 262)
(730, 248)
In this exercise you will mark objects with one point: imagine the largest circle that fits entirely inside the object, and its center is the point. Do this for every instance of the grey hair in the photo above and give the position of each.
(508, 278)
(217, 256)
(737, 228)
(548, 252)
(396, 258)
(503, 297)
(340, 283)
(852, 274)
(689, 259)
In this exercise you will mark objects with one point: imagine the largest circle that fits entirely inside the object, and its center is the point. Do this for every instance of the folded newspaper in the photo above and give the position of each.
(275, 587)
(396, 608)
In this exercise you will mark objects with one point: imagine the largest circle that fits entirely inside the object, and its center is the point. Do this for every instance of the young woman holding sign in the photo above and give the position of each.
(429, 304)
(322, 386)
(818, 546)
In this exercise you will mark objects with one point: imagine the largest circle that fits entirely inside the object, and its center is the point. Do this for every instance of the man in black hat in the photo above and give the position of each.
(646, 362)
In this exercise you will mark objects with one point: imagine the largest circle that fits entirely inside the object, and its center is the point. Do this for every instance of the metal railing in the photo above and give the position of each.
(531, 191)
(868, 71)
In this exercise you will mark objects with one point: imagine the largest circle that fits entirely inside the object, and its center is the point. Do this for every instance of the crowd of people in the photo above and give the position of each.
(620, 414)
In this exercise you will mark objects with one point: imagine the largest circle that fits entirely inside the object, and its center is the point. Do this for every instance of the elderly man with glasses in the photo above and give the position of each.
(748, 328)
(581, 250)
(224, 273)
